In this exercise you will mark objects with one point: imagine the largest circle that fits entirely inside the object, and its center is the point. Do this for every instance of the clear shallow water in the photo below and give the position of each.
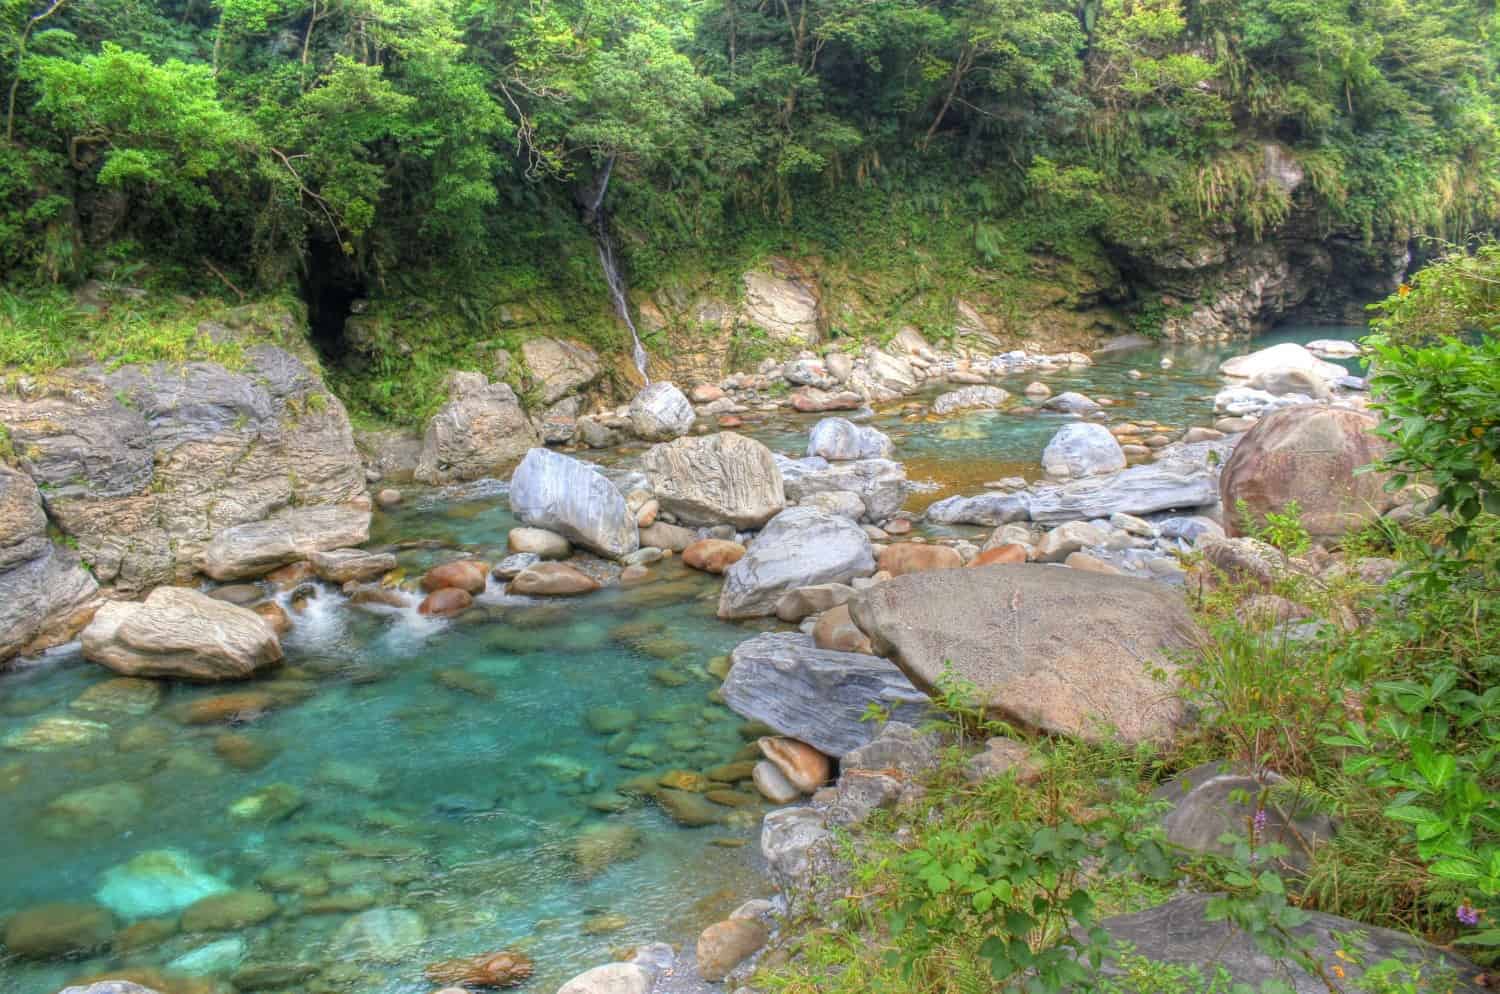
(448, 768)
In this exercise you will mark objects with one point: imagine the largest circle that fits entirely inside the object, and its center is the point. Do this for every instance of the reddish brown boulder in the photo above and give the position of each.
(468, 575)
(552, 580)
(1308, 454)
(445, 602)
(713, 555)
(805, 768)
(1013, 552)
(836, 630)
(915, 557)
(274, 615)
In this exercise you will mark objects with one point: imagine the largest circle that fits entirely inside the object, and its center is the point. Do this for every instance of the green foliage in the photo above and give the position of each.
(1282, 529)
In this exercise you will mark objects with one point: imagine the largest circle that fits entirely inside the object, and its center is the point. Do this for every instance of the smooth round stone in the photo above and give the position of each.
(539, 542)
(240, 594)
(228, 912)
(388, 497)
(773, 784)
(59, 929)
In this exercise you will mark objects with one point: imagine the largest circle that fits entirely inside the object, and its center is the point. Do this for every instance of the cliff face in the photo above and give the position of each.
(137, 468)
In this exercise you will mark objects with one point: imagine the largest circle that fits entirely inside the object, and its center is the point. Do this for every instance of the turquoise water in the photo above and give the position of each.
(443, 767)
(449, 768)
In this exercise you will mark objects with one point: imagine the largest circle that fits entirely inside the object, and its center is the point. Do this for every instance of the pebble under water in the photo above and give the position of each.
(407, 790)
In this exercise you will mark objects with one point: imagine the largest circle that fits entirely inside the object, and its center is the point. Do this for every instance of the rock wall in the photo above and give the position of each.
(139, 467)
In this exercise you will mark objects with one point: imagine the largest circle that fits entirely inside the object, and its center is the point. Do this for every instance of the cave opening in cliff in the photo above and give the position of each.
(331, 286)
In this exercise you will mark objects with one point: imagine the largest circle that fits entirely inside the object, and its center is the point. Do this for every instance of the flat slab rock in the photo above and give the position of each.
(1062, 650)
(246, 551)
(817, 695)
(1176, 932)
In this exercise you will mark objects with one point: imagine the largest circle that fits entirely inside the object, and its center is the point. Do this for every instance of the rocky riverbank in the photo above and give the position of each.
(174, 475)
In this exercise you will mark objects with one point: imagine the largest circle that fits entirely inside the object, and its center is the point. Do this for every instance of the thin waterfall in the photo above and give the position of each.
(596, 218)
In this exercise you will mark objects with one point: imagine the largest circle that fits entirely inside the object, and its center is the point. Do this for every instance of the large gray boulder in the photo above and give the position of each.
(1179, 932)
(142, 465)
(661, 412)
(255, 549)
(801, 546)
(714, 479)
(814, 695)
(46, 595)
(1182, 477)
(841, 440)
(879, 483)
(182, 634)
(560, 367)
(568, 496)
(1064, 651)
(480, 432)
(1082, 449)
(883, 377)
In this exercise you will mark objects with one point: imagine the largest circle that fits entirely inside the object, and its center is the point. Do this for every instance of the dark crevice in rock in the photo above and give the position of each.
(331, 286)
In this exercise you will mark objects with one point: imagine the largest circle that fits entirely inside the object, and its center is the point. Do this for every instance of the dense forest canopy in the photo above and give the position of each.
(412, 134)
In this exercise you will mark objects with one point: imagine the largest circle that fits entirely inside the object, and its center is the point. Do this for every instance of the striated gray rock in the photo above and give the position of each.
(561, 367)
(478, 433)
(182, 634)
(1179, 932)
(998, 628)
(990, 509)
(817, 695)
(800, 547)
(109, 987)
(883, 377)
(46, 596)
(1082, 449)
(714, 479)
(143, 465)
(975, 398)
(661, 412)
(879, 483)
(1182, 477)
(568, 496)
(255, 549)
(841, 440)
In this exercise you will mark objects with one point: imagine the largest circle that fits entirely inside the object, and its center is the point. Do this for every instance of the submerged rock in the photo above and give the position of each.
(64, 928)
(155, 883)
(183, 634)
(381, 935)
(502, 969)
(800, 547)
(817, 696)
(997, 627)
(572, 498)
(716, 479)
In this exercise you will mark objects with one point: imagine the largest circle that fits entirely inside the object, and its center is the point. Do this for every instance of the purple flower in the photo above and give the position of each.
(1260, 821)
(1468, 915)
